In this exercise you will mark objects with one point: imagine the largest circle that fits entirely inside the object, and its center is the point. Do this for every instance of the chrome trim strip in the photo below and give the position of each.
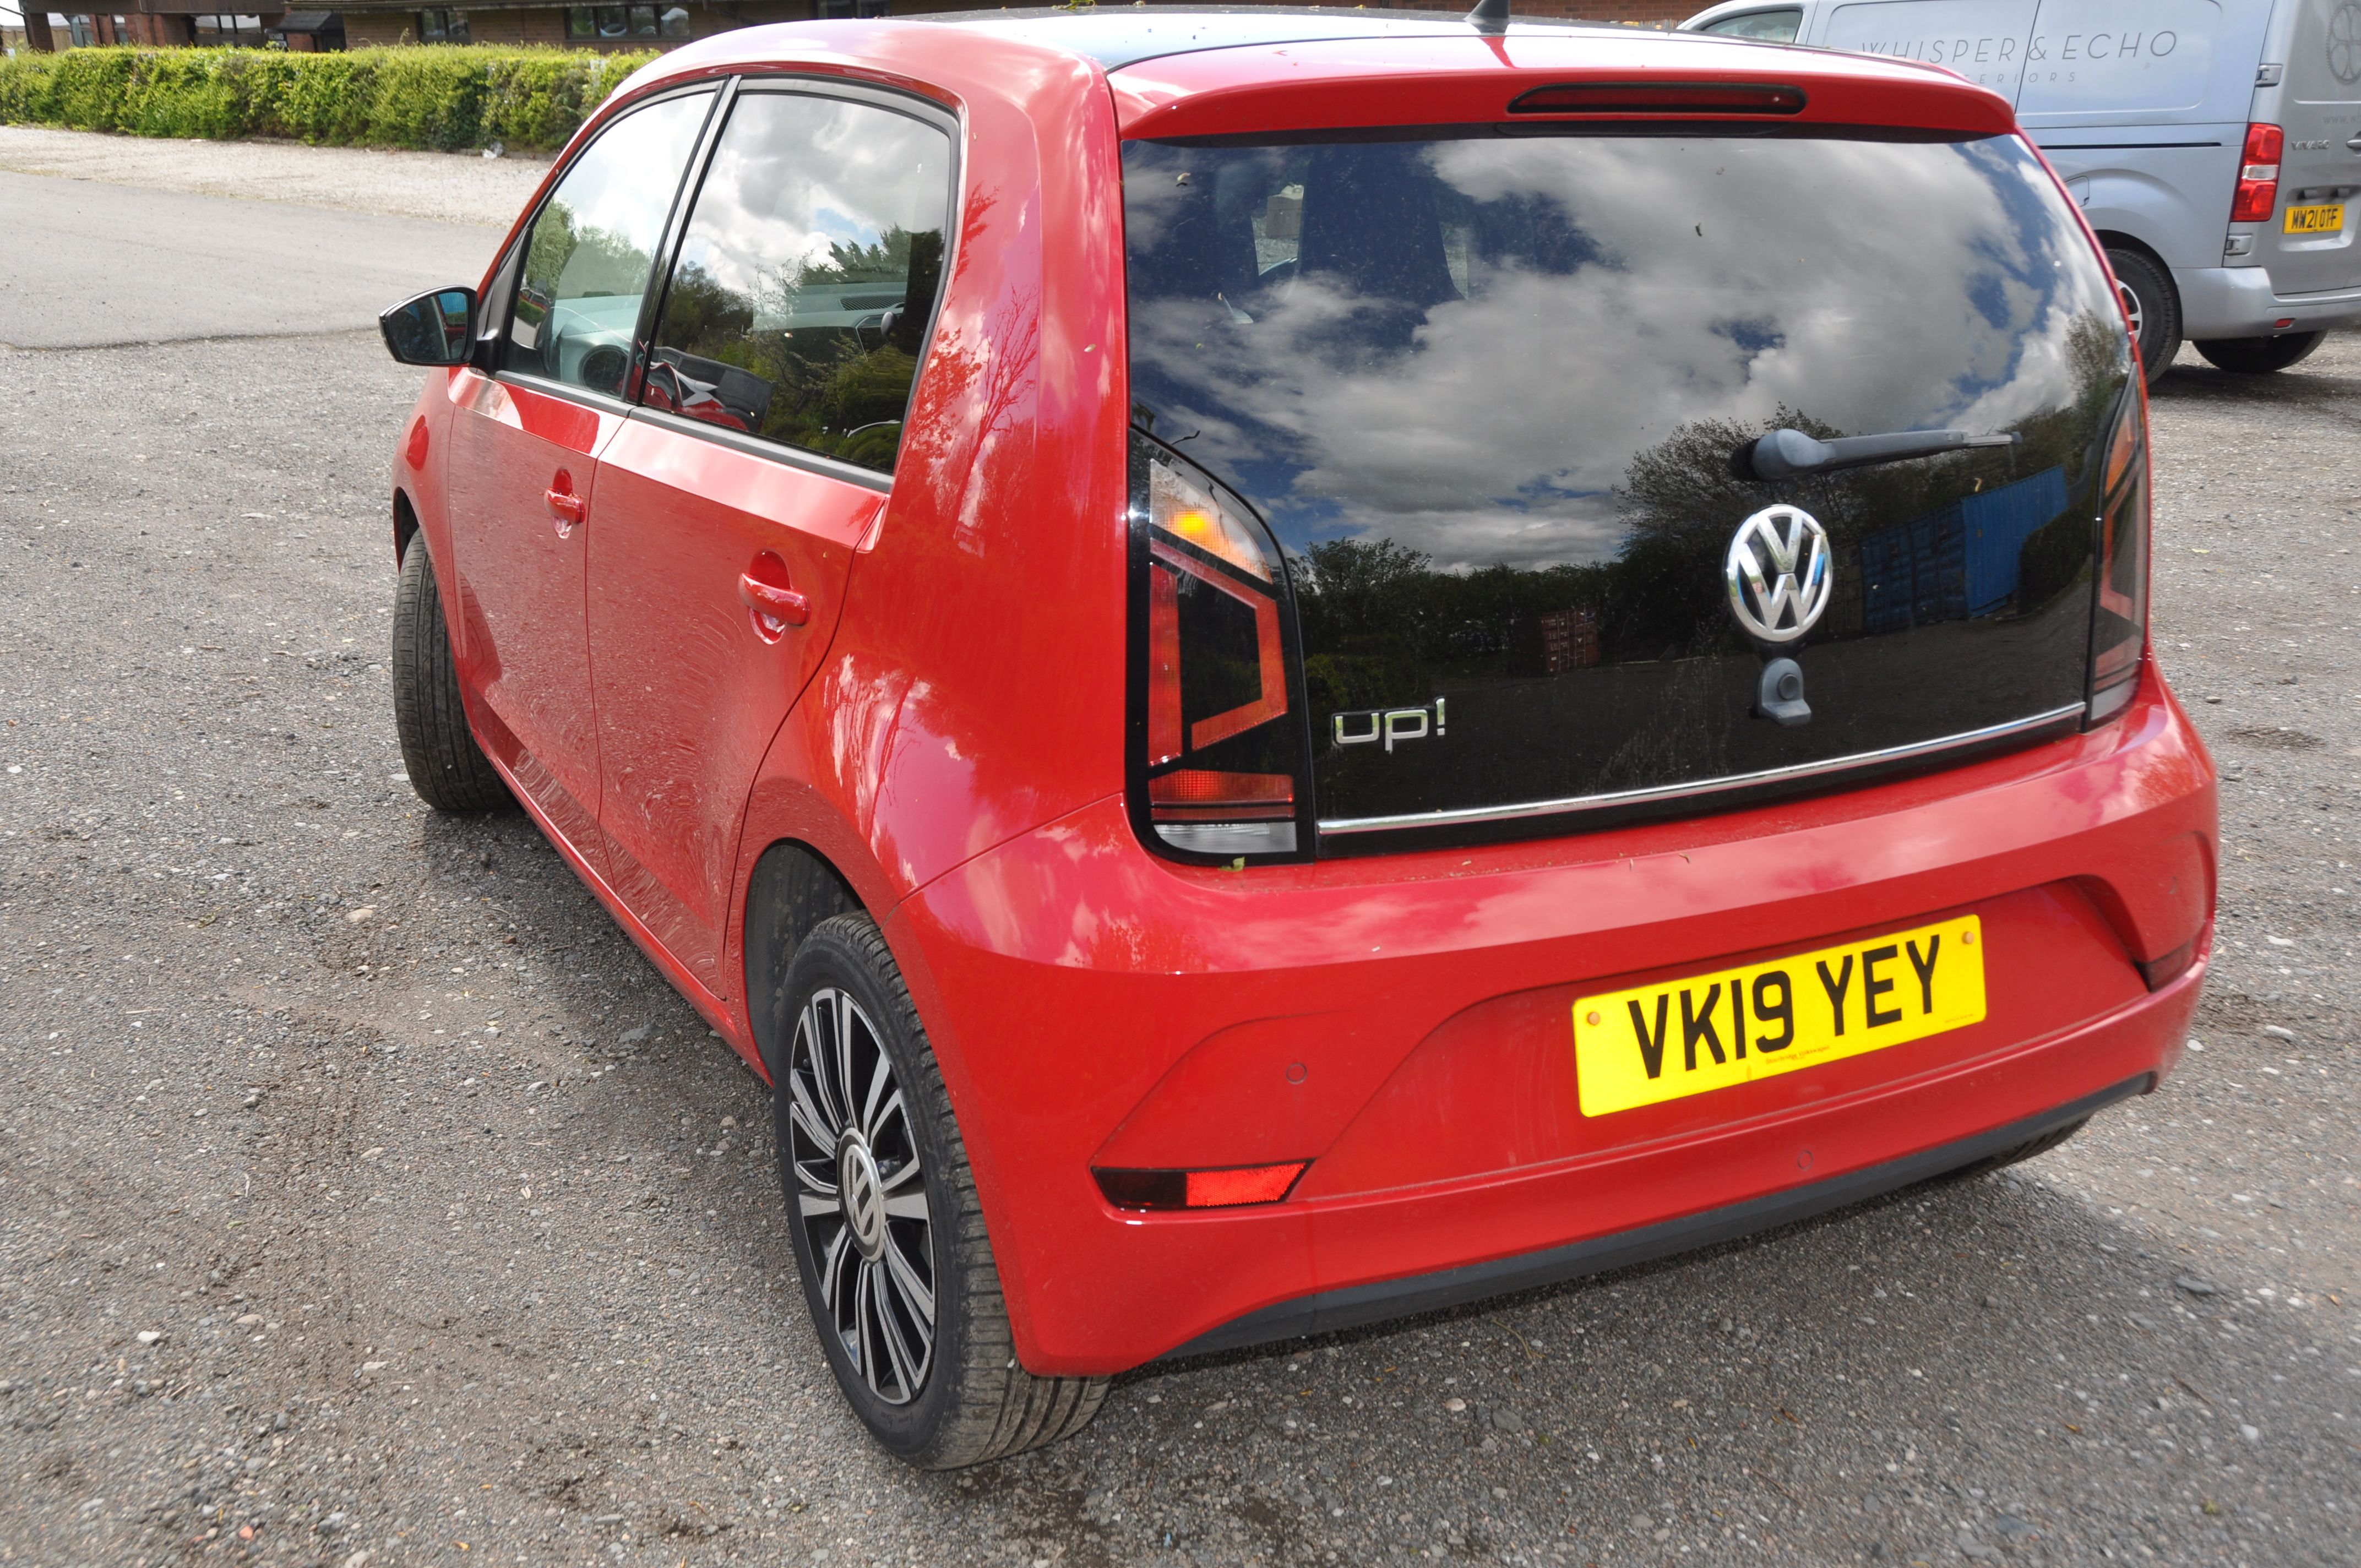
(1703, 786)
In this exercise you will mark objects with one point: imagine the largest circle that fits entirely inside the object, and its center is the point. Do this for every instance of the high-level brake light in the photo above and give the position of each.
(1660, 98)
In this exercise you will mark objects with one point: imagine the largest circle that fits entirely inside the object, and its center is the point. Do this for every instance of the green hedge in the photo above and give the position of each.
(443, 96)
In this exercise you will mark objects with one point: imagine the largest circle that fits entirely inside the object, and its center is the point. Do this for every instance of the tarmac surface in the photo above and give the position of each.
(367, 1199)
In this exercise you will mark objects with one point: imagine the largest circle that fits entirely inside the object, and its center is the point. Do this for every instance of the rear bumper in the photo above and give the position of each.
(1402, 1022)
(1330, 1310)
(2238, 302)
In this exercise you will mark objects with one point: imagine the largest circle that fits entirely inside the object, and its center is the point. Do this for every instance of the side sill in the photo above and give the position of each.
(1330, 1310)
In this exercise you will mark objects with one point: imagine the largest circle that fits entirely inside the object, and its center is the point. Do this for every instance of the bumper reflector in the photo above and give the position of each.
(1199, 1188)
(2161, 972)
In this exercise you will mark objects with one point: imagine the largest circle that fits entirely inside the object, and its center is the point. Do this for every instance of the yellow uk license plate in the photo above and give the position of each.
(2322, 218)
(1713, 1031)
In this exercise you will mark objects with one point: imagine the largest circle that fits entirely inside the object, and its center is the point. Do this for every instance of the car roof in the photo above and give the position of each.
(1215, 55)
(1118, 36)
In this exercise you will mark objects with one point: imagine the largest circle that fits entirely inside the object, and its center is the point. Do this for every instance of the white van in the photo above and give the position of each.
(2214, 145)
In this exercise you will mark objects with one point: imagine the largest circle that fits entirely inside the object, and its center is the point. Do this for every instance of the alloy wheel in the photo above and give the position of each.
(2132, 308)
(861, 1195)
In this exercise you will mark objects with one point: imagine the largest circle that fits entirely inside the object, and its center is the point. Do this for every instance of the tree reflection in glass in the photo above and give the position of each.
(806, 277)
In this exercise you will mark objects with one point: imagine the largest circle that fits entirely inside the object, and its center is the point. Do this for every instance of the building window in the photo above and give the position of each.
(225, 31)
(443, 26)
(77, 31)
(618, 22)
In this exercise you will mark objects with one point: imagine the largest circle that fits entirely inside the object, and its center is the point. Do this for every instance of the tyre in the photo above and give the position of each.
(2023, 1151)
(446, 768)
(889, 1238)
(2154, 305)
(2260, 356)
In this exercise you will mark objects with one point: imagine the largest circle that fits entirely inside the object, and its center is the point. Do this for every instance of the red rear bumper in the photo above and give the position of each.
(1402, 1023)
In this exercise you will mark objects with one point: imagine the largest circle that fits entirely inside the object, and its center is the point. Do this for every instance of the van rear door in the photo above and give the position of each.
(2309, 245)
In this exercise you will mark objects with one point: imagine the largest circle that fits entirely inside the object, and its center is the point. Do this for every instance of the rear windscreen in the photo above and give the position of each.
(1492, 351)
(1486, 388)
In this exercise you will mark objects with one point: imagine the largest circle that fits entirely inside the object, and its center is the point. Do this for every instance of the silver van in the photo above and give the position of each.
(2214, 145)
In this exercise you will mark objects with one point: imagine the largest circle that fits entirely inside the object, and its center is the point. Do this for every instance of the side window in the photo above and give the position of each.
(1771, 27)
(807, 276)
(593, 247)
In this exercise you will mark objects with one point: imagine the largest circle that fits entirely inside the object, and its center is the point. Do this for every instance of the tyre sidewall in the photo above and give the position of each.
(2160, 309)
(833, 955)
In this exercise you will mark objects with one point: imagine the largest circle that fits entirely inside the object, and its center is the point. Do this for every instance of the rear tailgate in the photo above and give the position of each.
(2309, 246)
(1487, 380)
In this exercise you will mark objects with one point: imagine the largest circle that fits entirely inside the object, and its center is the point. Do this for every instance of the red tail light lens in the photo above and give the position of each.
(2258, 176)
(1220, 761)
(1228, 1189)
(2119, 623)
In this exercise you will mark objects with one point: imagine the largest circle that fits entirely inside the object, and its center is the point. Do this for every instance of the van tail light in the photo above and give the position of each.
(1220, 764)
(1230, 1188)
(2119, 619)
(2258, 176)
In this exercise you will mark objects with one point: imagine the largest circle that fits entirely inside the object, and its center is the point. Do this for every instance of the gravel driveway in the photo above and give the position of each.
(365, 1198)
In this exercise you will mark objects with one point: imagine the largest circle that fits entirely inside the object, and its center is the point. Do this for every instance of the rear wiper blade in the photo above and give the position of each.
(1784, 454)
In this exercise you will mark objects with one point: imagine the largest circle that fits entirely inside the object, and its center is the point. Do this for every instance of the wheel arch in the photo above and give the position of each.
(792, 888)
(2118, 240)
(405, 524)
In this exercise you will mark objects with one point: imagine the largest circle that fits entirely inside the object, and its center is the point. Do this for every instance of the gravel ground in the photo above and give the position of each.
(365, 1198)
(456, 188)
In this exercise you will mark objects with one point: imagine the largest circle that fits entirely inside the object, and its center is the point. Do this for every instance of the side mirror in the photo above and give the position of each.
(436, 328)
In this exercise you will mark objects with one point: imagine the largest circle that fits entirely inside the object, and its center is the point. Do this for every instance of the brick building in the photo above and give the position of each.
(651, 23)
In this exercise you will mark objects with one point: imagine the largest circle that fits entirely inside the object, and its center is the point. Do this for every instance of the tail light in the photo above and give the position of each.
(2119, 620)
(2258, 176)
(1220, 764)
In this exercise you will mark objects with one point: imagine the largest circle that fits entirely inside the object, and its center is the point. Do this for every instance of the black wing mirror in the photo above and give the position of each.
(436, 328)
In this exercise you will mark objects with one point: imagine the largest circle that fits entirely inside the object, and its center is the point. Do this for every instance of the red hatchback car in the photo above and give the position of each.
(1282, 669)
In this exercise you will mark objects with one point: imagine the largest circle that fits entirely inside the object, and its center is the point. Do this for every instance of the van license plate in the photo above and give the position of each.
(2324, 218)
(1715, 1031)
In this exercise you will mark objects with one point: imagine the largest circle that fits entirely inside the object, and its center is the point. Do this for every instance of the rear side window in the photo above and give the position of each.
(593, 248)
(1771, 27)
(807, 276)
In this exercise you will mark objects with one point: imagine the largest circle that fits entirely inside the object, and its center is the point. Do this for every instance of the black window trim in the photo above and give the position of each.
(911, 105)
(659, 272)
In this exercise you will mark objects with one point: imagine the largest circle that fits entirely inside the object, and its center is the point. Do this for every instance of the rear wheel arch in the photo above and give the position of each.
(792, 889)
(2138, 267)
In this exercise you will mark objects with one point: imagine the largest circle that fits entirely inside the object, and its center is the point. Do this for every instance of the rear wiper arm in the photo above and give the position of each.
(1784, 454)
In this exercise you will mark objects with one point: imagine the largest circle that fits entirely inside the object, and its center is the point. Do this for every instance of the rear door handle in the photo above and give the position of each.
(565, 506)
(775, 607)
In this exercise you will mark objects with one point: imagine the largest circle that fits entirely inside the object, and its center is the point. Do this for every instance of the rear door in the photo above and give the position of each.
(730, 504)
(2309, 246)
(525, 443)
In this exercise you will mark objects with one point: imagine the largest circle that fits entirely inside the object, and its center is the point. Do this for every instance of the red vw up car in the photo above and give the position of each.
(1282, 669)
